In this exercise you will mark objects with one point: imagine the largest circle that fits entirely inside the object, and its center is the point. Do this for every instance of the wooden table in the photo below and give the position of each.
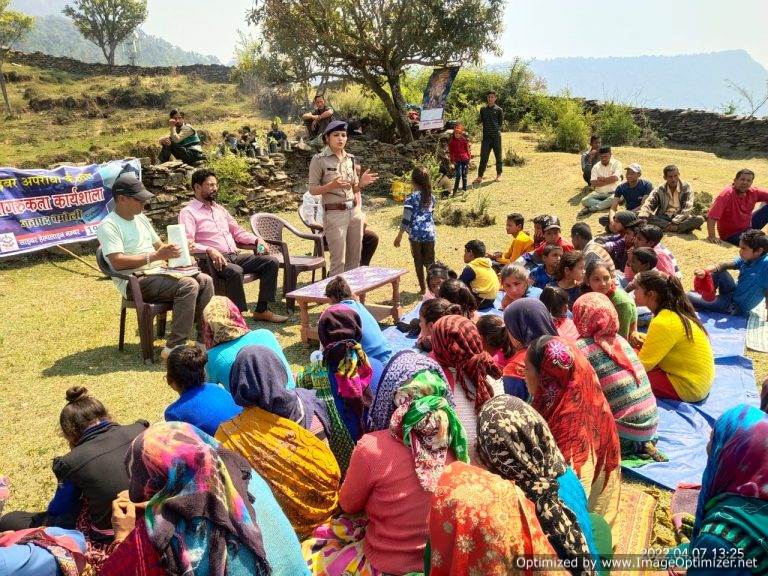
(361, 280)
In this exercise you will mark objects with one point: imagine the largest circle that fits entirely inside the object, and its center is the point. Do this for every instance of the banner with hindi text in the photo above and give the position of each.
(44, 208)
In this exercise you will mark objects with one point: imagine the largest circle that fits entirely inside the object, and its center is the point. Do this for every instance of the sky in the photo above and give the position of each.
(533, 28)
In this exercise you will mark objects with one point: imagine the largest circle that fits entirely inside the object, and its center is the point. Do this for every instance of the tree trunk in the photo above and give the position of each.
(111, 56)
(5, 93)
(403, 125)
(396, 113)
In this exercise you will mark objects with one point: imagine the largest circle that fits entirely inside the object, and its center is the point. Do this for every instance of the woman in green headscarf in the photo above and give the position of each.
(391, 478)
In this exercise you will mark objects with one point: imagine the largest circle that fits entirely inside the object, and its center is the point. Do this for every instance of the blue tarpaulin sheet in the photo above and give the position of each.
(684, 428)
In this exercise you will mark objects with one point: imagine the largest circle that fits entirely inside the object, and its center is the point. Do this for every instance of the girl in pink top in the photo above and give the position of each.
(496, 340)
(556, 300)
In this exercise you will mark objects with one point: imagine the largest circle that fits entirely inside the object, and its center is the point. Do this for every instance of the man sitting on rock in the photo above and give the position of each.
(131, 246)
(182, 142)
(319, 118)
(732, 210)
(670, 206)
(213, 231)
(605, 177)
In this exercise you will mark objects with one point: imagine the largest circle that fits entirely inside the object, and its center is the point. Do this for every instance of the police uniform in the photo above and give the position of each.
(342, 218)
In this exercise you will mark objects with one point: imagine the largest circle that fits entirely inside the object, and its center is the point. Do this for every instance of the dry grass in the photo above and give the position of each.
(59, 319)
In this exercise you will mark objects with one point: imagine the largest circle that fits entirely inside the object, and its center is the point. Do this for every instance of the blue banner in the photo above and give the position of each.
(44, 208)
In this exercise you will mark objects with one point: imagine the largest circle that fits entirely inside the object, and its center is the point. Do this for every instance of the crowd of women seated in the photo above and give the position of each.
(453, 462)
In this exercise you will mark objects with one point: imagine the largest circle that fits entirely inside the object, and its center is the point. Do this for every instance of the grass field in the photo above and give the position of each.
(58, 318)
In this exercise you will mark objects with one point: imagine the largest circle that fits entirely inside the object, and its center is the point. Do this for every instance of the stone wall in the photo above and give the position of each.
(209, 72)
(700, 129)
(280, 179)
(271, 189)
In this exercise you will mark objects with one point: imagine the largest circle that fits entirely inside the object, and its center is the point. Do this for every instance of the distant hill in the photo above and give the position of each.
(696, 81)
(56, 35)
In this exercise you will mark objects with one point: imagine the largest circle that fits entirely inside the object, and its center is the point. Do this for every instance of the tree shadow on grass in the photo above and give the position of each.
(104, 360)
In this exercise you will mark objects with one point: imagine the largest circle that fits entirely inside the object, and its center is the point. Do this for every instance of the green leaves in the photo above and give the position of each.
(106, 23)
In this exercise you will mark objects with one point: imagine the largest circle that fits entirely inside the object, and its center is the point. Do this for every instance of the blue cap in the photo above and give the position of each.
(335, 126)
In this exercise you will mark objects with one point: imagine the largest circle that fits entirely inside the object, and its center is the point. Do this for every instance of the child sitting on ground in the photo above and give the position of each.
(617, 245)
(599, 279)
(642, 259)
(737, 297)
(496, 340)
(544, 273)
(551, 236)
(538, 228)
(429, 313)
(228, 143)
(514, 283)
(479, 275)
(456, 292)
(570, 274)
(374, 342)
(460, 154)
(650, 236)
(556, 301)
(418, 222)
(276, 134)
(437, 273)
(521, 242)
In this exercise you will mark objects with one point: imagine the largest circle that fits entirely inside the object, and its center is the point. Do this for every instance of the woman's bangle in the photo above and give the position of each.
(149, 254)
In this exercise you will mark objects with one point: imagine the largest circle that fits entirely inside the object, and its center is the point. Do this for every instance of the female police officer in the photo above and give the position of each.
(333, 177)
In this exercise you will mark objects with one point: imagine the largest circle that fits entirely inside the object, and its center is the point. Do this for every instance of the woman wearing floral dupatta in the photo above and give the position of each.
(732, 514)
(281, 433)
(481, 524)
(197, 516)
(391, 477)
(567, 393)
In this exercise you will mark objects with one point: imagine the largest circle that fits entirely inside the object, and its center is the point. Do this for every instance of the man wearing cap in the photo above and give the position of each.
(551, 228)
(215, 233)
(733, 211)
(670, 207)
(131, 246)
(632, 192)
(333, 176)
(605, 178)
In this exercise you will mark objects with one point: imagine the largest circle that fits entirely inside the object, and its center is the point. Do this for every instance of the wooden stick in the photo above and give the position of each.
(83, 260)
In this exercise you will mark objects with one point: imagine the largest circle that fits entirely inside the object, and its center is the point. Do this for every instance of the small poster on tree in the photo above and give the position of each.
(436, 96)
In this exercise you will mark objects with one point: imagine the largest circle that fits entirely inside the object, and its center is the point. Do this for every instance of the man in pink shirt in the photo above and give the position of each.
(732, 210)
(213, 231)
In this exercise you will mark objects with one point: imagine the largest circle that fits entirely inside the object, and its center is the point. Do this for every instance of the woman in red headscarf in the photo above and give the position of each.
(472, 374)
(567, 393)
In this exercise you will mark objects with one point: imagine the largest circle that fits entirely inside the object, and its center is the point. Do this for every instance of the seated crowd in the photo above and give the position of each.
(501, 433)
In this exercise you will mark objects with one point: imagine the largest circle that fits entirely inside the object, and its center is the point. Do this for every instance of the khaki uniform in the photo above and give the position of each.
(343, 228)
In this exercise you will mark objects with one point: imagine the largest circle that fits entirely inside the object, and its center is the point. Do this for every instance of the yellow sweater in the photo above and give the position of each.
(486, 282)
(521, 244)
(689, 364)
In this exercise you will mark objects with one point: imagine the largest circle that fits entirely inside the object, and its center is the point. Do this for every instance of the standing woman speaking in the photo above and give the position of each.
(333, 177)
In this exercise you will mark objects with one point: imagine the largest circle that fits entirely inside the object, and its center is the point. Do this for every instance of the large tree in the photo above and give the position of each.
(373, 42)
(13, 27)
(106, 23)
